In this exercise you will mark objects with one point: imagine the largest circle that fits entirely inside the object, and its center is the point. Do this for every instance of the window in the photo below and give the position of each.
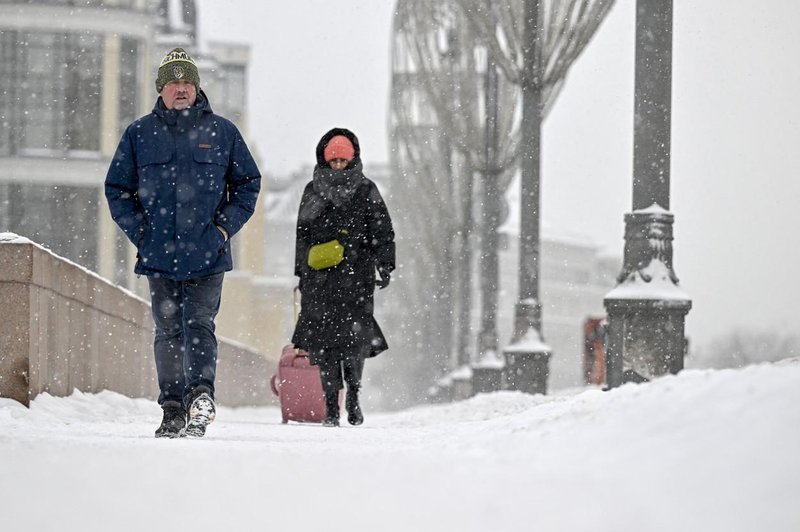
(128, 85)
(8, 108)
(226, 89)
(50, 92)
(61, 218)
(83, 88)
(127, 4)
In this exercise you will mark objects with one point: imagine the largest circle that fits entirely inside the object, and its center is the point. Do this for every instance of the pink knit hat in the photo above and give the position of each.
(339, 147)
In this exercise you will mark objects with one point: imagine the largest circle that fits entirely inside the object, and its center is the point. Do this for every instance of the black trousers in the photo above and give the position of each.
(335, 373)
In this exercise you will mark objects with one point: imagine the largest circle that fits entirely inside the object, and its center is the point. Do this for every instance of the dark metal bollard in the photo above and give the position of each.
(487, 379)
(527, 371)
(461, 383)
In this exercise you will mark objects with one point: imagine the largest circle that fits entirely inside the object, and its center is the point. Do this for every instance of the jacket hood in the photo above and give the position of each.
(328, 136)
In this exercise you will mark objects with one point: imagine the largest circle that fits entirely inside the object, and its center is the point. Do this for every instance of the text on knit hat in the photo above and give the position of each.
(177, 65)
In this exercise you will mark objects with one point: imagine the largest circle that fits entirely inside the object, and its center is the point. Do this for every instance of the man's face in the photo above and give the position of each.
(179, 94)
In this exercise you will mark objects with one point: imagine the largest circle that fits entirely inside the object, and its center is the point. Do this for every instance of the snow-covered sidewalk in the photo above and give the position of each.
(704, 450)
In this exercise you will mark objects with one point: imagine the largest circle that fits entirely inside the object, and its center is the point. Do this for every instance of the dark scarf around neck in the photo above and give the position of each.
(338, 186)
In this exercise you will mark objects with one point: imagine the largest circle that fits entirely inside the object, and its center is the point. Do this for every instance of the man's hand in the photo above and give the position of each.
(223, 231)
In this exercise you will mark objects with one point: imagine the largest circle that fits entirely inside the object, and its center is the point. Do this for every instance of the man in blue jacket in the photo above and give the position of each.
(181, 184)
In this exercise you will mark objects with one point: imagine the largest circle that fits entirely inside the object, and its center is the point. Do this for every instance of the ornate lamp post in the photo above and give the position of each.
(527, 356)
(487, 370)
(647, 309)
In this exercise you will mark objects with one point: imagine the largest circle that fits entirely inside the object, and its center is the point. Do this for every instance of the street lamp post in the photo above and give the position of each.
(647, 309)
(487, 370)
(527, 357)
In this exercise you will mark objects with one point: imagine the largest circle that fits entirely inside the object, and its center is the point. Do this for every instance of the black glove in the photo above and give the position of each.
(385, 277)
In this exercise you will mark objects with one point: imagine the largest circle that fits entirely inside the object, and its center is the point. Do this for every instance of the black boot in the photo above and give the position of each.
(354, 415)
(332, 407)
(173, 425)
(353, 368)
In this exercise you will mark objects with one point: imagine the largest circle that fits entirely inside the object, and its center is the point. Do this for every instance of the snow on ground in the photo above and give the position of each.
(704, 450)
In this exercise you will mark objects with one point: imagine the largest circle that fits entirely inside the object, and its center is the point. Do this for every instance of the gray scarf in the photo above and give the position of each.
(337, 186)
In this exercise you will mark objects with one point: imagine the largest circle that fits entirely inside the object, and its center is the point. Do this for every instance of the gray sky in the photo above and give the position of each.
(735, 132)
(315, 64)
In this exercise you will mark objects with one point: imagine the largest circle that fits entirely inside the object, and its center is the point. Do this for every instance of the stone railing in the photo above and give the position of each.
(64, 328)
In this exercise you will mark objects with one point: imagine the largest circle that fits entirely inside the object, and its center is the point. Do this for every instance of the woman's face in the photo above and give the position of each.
(338, 164)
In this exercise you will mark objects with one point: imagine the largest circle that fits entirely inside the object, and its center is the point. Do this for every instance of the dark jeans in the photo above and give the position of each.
(332, 371)
(185, 345)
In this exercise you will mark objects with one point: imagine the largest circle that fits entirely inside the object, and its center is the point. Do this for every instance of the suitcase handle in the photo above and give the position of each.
(295, 291)
(274, 384)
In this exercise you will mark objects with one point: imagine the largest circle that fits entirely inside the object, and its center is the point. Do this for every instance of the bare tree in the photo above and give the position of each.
(566, 28)
(438, 138)
(443, 53)
(427, 192)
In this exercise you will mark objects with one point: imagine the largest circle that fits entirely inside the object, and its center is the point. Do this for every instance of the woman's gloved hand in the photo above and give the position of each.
(385, 277)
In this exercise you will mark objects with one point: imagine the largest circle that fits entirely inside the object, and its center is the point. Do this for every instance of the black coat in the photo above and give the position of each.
(336, 316)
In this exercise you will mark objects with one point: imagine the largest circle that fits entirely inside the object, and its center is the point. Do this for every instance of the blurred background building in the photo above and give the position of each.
(72, 77)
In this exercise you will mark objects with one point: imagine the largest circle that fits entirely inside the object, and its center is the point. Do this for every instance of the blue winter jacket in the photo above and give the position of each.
(174, 176)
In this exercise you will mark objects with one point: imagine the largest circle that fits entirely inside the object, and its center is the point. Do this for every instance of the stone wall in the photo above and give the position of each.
(65, 328)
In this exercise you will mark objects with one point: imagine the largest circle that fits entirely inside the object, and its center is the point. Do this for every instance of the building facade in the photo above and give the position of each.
(73, 75)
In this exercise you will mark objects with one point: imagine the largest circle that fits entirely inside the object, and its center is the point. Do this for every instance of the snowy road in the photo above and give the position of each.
(706, 450)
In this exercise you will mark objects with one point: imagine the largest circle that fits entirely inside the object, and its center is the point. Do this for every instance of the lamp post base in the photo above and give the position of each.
(645, 339)
(461, 387)
(486, 380)
(647, 309)
(527, 371)
(527, 358)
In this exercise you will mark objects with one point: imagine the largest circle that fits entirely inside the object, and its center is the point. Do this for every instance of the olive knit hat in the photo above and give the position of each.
(177, 64)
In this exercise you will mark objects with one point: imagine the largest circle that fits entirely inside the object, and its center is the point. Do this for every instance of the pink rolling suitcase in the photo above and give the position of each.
(298, 387)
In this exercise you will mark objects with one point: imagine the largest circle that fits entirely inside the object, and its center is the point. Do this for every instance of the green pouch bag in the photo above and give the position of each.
(325, 255)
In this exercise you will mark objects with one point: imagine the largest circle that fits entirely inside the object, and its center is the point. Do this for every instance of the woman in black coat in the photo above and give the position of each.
(342, 211)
